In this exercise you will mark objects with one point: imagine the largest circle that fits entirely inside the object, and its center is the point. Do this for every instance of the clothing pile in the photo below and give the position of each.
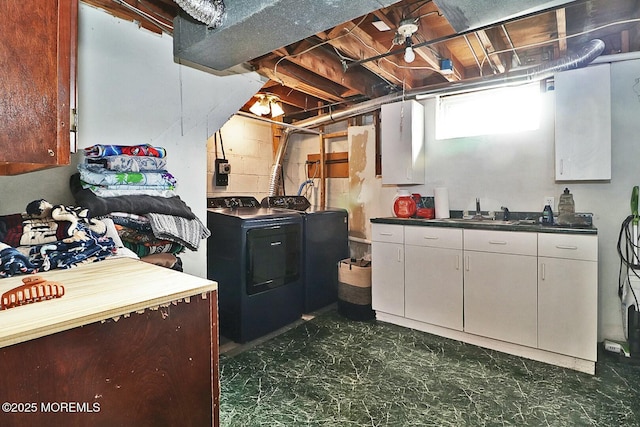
(45, 237)
(131, 186)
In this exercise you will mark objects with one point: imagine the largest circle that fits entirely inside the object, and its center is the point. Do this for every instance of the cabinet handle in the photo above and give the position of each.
(457, 262)
(431, 237)
(542, 271)
(466, 263)
(386, 234)
(399, 254)
(497, 242)
(572, 248)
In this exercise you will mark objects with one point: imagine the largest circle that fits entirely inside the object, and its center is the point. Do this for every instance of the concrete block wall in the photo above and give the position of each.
(248, 148)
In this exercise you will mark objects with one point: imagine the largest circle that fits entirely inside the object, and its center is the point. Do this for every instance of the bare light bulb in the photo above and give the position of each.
(409, 54)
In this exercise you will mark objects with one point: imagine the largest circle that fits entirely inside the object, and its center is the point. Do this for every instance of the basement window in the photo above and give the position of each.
(487, 112)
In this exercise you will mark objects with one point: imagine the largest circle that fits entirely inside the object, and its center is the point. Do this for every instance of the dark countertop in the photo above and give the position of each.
(487, 225)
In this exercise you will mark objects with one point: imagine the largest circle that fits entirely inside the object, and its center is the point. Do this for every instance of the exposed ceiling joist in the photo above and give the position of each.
(358, 61)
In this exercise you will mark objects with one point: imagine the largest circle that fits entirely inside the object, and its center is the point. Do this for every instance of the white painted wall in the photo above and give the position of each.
(517, 171)
(130, 91)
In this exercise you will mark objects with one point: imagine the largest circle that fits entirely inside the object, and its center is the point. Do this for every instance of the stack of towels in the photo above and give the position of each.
(130, 186)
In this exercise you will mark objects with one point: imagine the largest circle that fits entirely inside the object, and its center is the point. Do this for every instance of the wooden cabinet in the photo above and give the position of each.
(387, 268)
(402, 126)
(37, 84)
(433, 275)
(129, 343)
(500, 285)
(568, 294)
(583, 124)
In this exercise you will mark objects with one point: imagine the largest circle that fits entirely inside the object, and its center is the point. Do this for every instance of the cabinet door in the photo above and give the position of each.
(568, 307)
(402, 128)
(583, 124)
(387, 277)
(433, 285)
(500, 296)
(37, 52)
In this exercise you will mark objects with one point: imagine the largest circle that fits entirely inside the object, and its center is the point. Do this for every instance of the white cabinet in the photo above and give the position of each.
(433, 275)
(387, 268)
(500, 285)
(530, 294)
(402, 143)
(568, 294)
(583, 124)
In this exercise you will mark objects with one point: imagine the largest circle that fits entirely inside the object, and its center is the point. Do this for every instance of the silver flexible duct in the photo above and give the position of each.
(209, 12)
(582, 58)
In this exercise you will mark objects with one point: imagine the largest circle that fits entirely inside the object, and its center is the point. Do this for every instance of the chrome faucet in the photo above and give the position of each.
(478, 211)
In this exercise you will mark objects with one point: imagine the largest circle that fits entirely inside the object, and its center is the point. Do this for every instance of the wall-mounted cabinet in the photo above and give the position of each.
(37, 87)
(583, 124)
(402, 143)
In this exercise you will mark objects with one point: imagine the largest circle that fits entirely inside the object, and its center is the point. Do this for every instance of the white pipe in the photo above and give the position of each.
(359, 240)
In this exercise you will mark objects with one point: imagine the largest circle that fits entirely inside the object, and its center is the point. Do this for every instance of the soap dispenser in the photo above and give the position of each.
(547, 215)
(566, 204)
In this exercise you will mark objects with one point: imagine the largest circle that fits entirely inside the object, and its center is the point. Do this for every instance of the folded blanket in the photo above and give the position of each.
(188, 232)
(100, 150)
(40, 231)
(72, 251)
(129, 190)
(146, 250)
(141, 205)
(13, 262)
(97, 175)
(127, 163)
(11, 229)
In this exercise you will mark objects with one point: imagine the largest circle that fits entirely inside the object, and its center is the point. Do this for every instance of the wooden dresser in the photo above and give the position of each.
(129, 344)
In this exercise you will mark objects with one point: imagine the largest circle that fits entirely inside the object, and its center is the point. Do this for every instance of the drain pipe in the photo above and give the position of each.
(582, 58)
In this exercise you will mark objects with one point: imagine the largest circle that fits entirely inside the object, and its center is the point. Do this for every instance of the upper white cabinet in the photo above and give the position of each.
(583, 124)
(402, 126)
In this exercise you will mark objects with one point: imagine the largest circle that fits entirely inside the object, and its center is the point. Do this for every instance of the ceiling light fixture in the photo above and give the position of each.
(267, 104)
(409, 54)
(406, 29)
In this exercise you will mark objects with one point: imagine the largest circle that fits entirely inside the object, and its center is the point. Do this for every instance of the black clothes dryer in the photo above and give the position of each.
(326, 242)
(255, 254)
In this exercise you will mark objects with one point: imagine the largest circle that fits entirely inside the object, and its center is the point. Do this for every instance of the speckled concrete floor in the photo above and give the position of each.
(331, 371)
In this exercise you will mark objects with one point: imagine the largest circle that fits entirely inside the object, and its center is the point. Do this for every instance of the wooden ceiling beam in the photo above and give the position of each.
(298, 78)
(328, 65)
(489, 49)
(150, 15)
(357, 44)
(561, 24)
(293, 97)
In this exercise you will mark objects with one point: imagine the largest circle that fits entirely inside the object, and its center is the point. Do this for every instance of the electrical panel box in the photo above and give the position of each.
(222, 171)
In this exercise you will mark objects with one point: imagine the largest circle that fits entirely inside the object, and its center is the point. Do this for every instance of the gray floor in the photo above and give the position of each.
(330, 371)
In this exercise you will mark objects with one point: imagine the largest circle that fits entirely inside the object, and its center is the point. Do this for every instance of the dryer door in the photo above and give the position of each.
(273, 257)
